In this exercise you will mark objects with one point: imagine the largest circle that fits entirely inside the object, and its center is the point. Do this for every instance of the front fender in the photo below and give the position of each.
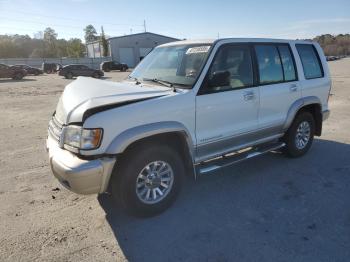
(126, 138)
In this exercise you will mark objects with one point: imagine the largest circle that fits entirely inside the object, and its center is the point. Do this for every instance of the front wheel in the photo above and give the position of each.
(148, 179)
(300, 135)
(17, 76)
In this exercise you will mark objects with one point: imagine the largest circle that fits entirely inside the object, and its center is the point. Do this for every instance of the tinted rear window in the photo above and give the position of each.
(310, 60)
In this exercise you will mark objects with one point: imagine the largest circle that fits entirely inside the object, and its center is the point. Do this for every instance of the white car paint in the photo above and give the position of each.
(214, 123)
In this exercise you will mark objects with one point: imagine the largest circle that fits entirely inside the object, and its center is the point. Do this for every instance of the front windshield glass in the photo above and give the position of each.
(177, 65)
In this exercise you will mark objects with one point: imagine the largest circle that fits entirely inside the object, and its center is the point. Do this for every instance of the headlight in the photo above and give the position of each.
(81, 138)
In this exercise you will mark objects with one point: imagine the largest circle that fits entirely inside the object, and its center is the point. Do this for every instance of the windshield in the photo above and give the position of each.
(176, 65)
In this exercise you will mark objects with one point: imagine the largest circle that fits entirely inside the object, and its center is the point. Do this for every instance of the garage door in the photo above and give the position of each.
(144, 51)
(126, 55)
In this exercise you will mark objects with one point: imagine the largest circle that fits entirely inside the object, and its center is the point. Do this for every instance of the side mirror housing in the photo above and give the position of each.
(219, 78)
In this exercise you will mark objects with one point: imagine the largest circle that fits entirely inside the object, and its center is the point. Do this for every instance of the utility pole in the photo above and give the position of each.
(144, 25)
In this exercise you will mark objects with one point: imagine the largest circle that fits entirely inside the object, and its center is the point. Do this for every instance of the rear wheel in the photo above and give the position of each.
(148, 179)
(96, 75)
(300, 135)
(69, 75)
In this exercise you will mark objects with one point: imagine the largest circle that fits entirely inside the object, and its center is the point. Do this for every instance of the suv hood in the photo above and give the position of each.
(86, 93)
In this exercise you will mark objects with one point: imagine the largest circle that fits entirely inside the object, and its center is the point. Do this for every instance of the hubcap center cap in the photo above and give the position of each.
(152, 180)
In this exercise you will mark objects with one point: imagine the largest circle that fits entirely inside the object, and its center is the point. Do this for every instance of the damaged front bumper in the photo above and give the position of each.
(79, 175)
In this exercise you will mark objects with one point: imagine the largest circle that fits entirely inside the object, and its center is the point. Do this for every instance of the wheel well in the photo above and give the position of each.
(315, 110)
(176, 140)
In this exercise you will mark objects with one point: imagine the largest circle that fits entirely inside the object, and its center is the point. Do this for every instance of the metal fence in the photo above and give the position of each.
(37, 62)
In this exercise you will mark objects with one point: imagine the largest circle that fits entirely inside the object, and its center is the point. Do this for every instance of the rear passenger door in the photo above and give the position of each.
(278, 85)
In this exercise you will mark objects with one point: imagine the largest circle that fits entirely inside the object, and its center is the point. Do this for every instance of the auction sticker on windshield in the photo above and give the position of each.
(198, 49)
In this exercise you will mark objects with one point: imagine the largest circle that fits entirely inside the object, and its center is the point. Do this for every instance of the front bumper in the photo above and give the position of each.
(79, 175)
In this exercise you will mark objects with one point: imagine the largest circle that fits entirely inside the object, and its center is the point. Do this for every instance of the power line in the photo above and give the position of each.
(72, 35)
(73, 19)
(40, 23)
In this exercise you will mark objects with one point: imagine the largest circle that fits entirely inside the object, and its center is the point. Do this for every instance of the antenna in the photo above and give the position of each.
(144, 25)
(218, 35)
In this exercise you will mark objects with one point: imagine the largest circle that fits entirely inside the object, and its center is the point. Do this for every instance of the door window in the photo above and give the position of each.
(231, 69)
(269, 64)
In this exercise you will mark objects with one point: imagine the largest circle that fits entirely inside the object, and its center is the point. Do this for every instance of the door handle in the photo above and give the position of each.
(293, 88)
(248, 96)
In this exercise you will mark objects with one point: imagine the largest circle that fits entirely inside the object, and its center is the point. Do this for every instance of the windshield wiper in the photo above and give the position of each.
(166, 83)
(135, 79)
(162, 82)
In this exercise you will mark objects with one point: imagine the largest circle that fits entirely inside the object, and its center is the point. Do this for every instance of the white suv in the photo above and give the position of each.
(189, 108)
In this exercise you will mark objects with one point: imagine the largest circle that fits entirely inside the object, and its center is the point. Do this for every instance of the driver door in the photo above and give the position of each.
(227, 103)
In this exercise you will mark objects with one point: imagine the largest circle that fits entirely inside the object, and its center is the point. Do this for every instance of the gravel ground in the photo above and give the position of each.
(268, 209)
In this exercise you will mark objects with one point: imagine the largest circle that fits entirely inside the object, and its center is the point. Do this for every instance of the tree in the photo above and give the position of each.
(90, 34)
(50, 39)
(75, 48)
(104, 43)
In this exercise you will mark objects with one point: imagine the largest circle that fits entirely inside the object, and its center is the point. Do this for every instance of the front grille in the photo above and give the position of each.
(55, 129)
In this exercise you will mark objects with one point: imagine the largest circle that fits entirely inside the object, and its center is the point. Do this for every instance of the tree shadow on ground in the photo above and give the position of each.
(270, 208)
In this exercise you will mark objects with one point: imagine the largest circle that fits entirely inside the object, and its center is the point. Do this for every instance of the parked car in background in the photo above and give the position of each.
(50, 68)
(113, 65)
(70, 71)
(30, 70)
(189, 108)
(12, 72)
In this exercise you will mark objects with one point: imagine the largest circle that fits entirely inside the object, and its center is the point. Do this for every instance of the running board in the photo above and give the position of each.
(236, 157)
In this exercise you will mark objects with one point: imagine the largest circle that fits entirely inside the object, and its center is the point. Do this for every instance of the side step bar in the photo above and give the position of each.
(236, 157)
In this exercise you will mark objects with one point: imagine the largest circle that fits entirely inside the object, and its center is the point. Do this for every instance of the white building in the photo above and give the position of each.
(129, 49)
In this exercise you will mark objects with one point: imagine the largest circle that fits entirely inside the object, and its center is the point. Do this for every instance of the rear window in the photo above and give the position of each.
(310, 60)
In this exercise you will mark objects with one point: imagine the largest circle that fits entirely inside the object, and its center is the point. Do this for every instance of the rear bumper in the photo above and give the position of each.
(325, 115)
(79, 175)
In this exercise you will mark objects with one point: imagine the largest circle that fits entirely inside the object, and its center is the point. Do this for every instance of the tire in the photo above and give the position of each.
(123, 69)
(126, 181)
(300, 135)
(17, 76)
(96, 75)
(107, 70)
(36, 73)
(69, 75)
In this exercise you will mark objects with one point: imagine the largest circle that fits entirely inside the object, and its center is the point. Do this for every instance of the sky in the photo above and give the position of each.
(178, 18)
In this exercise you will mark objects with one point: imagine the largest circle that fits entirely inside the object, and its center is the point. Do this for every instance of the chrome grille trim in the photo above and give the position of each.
(55, 129)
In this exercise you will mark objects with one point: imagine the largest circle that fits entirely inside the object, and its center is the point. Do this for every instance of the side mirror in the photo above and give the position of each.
(219, 78)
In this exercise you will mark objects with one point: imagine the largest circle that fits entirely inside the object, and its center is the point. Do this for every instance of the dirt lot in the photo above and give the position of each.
(269, 209)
